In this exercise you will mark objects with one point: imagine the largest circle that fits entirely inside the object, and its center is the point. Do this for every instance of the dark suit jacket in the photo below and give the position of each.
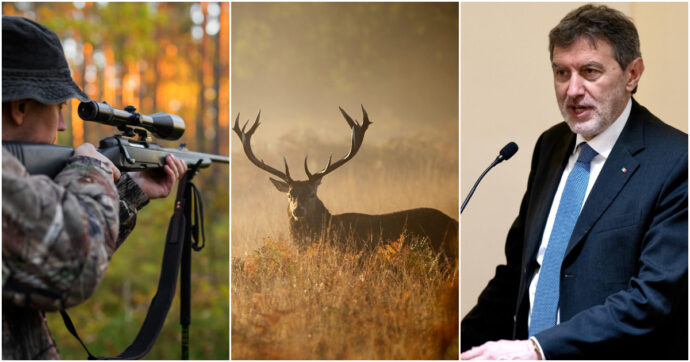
(624, 286)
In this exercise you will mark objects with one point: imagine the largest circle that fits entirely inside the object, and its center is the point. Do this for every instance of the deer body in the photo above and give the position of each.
(368, 231)
(311, 221)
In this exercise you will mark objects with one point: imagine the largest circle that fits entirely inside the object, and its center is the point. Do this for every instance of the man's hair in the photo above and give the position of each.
(598, 22)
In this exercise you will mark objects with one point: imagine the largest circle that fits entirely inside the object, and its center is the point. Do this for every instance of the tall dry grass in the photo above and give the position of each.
(326, 303)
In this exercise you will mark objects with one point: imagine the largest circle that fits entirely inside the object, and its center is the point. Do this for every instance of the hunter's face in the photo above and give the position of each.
(42, 122)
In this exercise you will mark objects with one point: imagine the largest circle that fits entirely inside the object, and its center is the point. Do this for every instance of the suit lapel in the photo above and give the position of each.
(618, 169)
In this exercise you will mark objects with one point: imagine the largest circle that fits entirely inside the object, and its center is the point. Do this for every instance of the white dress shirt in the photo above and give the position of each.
(602, 144)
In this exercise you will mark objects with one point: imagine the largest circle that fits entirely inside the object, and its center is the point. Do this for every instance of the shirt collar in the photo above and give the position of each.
(603, 142)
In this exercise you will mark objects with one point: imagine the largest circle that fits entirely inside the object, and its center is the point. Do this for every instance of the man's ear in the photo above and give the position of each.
(634, 72)
(18, 111)
(280, 185)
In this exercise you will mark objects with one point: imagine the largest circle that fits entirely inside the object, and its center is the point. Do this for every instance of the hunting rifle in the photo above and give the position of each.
(130, 151)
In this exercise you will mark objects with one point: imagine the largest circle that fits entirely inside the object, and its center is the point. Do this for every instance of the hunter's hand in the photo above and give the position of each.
(159, 183)
(89, 150)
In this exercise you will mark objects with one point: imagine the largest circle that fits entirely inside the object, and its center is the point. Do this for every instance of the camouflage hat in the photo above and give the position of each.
(34, 65)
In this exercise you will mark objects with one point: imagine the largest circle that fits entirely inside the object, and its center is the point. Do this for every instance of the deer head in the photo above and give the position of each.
(303, 202)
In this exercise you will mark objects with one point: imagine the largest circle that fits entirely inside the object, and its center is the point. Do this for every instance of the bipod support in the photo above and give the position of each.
(176, 256)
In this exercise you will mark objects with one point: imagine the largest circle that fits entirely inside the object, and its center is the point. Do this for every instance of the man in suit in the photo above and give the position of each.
(597, 257)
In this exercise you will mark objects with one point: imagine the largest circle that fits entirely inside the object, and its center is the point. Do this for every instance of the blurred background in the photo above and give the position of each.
(158, 57)
(508, 95)
(297, 62)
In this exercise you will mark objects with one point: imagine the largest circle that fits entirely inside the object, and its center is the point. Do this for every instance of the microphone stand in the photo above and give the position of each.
(506, 152)
(474, 187)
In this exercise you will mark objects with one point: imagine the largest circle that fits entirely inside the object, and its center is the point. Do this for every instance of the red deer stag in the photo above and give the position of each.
(310, 220)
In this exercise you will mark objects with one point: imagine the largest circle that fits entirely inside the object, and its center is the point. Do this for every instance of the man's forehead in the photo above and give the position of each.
(584, 47)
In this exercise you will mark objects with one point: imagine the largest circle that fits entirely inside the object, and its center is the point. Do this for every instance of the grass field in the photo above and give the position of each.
(324, 303)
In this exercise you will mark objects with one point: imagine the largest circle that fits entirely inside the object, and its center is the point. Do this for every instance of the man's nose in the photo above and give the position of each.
(61, 121)
(575, 86)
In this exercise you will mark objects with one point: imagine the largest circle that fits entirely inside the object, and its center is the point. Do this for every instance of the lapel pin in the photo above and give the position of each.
(624, 170)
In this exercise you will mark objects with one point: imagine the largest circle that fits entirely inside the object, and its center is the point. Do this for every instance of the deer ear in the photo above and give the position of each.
(280, 185)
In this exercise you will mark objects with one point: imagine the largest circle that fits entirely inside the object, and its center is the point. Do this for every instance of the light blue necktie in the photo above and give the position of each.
(545, 307)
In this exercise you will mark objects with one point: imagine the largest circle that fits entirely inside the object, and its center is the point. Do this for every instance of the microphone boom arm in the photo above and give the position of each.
(474, 187)
(506, 152)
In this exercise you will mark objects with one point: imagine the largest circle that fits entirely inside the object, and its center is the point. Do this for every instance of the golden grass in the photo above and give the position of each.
(323, 303)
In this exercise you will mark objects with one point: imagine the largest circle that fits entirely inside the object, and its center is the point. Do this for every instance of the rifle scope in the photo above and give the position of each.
(162, 125)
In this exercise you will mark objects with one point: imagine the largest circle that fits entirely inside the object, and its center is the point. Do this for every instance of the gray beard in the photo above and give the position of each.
(604, 114)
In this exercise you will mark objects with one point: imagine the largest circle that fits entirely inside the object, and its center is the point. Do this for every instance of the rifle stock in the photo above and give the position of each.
(40, 159)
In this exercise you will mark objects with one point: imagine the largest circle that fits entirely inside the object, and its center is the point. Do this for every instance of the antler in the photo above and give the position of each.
(357, 138)
(245, 137)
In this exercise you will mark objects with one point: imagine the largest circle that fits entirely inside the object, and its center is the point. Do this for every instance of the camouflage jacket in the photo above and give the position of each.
(58, 237)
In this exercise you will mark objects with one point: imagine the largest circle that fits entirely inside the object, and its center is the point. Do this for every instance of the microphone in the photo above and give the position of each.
(505, 154)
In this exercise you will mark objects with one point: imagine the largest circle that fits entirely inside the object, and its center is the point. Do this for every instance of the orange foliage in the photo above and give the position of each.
(109, 73)
(77, 125)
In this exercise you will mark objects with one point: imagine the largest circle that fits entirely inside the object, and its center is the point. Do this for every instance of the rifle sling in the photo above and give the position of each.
(178, 230)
